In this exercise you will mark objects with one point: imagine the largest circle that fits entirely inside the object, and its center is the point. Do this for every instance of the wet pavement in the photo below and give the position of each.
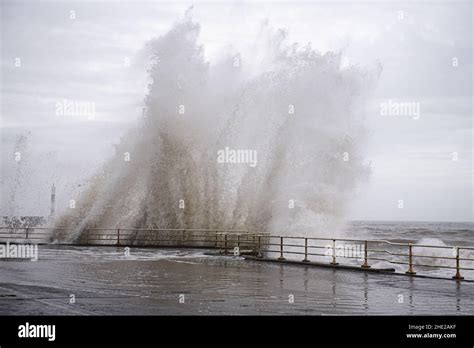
(105, 281)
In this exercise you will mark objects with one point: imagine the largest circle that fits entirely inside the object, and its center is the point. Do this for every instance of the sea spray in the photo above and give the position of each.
(300, 112)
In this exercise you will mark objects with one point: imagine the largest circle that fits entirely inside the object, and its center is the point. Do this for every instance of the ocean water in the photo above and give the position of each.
(445, 236)
(450, 233)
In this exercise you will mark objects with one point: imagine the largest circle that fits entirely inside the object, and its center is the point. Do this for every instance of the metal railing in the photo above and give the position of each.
(243, 240)
(311, 249)
(368, 251)
(33, 234)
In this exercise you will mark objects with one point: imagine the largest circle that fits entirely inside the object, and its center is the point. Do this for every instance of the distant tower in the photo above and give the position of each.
(53, 202)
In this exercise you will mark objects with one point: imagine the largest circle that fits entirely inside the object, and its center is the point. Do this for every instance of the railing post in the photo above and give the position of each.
(281, 258)
(225, 244)
(238, 241)
(118, 236)
(334, 263)
(366, 264)
(306, 250)
(259, 253)
(410, 260)
(217, 243)
(27, 230)
(457, 276)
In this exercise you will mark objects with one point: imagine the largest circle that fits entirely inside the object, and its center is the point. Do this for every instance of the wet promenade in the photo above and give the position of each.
(70, 280)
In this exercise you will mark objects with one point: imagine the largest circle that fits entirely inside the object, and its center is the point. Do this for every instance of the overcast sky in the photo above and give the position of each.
(425, 49)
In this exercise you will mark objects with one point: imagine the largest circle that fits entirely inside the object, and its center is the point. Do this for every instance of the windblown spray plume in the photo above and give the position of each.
(301, 111)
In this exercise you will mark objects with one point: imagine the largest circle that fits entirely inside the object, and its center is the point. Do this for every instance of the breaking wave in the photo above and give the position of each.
(301, 112)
